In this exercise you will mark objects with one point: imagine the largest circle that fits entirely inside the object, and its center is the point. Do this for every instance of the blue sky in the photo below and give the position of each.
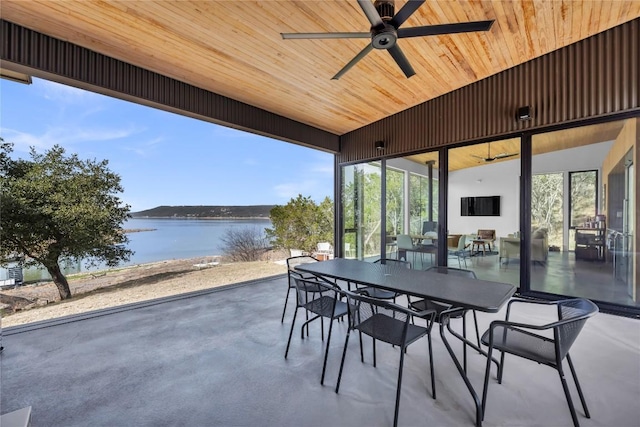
(162, 158)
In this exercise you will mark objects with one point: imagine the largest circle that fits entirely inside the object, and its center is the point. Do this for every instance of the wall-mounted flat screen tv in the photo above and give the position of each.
(480, 206)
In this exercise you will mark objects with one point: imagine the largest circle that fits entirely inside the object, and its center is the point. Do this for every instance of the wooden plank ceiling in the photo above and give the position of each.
(234, 48)
(472, 155)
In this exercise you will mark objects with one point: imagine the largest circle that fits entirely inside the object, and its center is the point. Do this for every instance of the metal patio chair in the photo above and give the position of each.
(381, 293)
(524, 340)
(390, 323)
(292, 262)
(321, 299)
(439, 307)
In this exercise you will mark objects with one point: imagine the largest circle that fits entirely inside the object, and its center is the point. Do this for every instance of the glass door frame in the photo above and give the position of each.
(525, 186)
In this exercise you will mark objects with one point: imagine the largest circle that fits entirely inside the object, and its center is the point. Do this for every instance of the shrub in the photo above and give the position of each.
(244, 244)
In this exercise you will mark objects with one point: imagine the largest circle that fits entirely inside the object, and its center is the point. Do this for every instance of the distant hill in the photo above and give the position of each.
(255, 211)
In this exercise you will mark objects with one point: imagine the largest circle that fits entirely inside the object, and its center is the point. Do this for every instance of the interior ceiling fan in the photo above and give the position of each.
(385, 31)
(496, 157)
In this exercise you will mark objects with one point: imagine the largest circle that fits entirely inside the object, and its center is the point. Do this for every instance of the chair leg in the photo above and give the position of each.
(285, 304)
(433, 375)
(575, 379)
(464, 344)
(361, 349)
(485, 387)
(399, 388)
(475, 321)
(293, 322)
(501, 368)
(374, 353)
(567, 394)
(344, 353)
(326, 352)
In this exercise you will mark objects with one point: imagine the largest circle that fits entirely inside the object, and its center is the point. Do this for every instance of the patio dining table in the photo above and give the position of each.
(460, 292)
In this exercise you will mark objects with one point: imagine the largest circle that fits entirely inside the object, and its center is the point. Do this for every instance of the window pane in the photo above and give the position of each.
(547, 196)
(484, 210)
(597, 257)
(583, 196)
(361, 210)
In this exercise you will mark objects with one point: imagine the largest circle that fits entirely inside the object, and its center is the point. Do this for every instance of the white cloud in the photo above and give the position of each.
(63, 135)
(64, 94)
(223, 132)
(324, 168)
(145, 148)
(290, 190)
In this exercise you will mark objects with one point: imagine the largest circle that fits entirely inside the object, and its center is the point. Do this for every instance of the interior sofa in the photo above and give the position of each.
(510, 246)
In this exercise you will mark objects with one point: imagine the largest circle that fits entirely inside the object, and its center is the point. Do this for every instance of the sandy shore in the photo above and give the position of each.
(127, 285)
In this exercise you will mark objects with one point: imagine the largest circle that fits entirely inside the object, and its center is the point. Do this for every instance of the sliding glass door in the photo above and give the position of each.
(361, 210)
(483, 217)
(596, 256)
(574, 234)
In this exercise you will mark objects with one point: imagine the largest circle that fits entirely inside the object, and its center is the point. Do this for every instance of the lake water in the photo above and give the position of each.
(171, 239)
(181, 238)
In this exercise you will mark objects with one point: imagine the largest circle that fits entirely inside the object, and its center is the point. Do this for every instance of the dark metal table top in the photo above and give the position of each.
(459, 291)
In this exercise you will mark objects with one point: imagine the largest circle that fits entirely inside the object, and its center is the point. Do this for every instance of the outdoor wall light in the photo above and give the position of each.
(523, 113)
(379, 145)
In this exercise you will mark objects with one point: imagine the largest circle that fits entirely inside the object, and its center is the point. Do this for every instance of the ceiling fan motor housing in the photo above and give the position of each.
(385, 8)
(384, 36)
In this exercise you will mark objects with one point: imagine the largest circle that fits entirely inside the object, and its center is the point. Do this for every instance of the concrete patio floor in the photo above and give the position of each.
(215, 358)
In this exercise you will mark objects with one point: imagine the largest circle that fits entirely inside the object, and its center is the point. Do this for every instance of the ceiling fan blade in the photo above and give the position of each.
(406, 11)
(477, 157)
(353, 62)
(372, 14)
(325, 35)
(434, 30)
(402, 61)
(504, 156)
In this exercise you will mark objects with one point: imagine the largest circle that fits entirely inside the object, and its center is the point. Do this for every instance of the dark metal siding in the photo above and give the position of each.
(595, 77)
(43, 56)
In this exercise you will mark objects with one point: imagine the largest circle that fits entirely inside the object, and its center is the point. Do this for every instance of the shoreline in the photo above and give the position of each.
(125, 285)
(221, 218)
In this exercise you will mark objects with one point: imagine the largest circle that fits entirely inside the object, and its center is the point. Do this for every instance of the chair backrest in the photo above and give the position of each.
(292, 262)
(487, 234)
(462, 242)
(429, 226)
(404, 241)
(297, 260)
(324, 247)
(572, 315)
(363, 312)
(451, 270)
(16, 274)
(393, 262)
(308, 290)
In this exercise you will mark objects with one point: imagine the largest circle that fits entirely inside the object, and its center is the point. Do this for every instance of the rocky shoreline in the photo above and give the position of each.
(110, 288)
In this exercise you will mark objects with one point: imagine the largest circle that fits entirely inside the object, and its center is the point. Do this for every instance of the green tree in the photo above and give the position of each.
(55, 207)
(301, 224)
(546, 205)
(361, 201)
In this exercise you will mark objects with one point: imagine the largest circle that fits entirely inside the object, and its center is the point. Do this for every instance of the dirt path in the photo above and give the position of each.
(111, 288)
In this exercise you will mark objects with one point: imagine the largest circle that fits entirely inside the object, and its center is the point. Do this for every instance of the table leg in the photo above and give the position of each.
(444, 322)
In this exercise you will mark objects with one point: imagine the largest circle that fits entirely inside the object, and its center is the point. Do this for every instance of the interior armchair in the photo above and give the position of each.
(489, 235)
(510, 247)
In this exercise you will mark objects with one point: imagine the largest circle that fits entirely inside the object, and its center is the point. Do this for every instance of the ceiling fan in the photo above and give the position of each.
(496, 157)
(385, 31)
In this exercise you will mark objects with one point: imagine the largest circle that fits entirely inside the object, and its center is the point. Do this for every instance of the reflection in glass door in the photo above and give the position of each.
(594, 162)
(361, 210)
(484, 210)
(416, 179)
(394, 209)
